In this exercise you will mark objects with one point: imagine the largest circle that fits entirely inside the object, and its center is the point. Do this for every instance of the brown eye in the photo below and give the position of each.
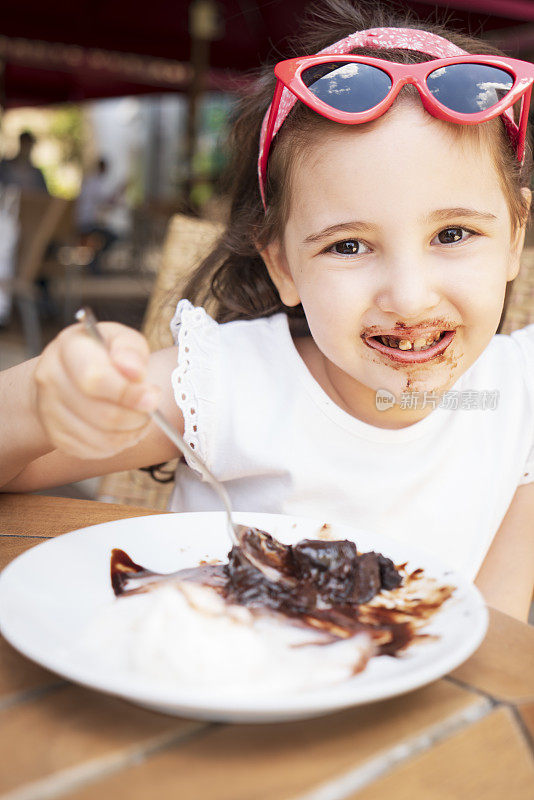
(451, 235)
(349, 247)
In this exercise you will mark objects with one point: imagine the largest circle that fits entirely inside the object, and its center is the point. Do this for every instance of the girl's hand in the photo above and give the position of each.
(93, 402)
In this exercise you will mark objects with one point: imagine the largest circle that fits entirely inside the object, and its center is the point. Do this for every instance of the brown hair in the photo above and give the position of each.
(233, 274)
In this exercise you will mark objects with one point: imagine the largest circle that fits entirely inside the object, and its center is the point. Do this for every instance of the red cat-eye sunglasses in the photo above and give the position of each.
(466, 89)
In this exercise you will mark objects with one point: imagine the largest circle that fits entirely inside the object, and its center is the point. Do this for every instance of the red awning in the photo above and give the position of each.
(520, 10)
(58, 51)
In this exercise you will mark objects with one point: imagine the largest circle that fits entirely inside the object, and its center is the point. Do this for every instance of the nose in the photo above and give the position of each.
(408, 289)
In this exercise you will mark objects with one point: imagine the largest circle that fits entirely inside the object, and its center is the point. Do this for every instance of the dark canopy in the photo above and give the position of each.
(58, 51)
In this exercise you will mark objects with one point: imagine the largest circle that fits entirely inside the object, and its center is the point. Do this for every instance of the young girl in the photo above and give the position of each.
(353, 374)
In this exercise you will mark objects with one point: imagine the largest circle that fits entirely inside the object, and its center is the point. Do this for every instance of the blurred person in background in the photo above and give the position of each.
(20, 171)
(95, 201)
(17, 175)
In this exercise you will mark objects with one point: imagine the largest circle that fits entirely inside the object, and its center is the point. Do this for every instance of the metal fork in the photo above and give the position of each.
(235, 531)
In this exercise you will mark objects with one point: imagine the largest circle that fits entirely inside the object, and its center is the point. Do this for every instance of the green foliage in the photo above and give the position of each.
(67, 127)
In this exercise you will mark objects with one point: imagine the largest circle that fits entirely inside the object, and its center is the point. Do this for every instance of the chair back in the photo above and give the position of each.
(187, 241)
(39, 218)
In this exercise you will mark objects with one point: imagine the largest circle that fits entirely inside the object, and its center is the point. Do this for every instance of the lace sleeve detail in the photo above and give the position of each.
(195, 379)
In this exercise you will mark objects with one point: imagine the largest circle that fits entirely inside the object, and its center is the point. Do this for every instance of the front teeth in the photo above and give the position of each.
(406, 344)
(420, 343)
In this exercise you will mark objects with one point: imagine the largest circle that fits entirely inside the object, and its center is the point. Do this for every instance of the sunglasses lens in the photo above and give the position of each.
(469, 88)
(347, 86)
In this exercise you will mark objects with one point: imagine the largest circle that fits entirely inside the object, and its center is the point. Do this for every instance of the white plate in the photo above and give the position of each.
(49, 593)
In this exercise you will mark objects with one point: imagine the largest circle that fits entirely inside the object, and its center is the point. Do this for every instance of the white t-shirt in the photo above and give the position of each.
(267, 429)
(90, 205)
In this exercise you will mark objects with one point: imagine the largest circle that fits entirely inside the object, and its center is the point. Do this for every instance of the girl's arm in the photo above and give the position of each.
(506, 577)
(78, 411)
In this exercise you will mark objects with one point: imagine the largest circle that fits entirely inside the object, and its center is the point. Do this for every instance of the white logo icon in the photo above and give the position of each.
(384, 399)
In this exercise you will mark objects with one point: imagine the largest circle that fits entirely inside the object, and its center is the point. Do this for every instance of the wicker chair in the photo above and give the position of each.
(519, 307)
(186, 242)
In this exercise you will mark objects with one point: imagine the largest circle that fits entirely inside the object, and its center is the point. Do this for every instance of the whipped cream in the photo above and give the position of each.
(185, 635)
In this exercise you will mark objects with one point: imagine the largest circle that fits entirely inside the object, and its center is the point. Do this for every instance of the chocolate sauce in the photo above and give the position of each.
(331, 589)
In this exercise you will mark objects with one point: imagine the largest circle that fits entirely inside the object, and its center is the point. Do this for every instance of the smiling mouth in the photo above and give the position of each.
(410, 351)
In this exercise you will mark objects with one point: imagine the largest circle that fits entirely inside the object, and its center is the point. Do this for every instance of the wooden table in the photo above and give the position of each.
(469, 735)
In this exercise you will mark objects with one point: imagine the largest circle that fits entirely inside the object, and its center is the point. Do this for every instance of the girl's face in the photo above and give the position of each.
(398, 230)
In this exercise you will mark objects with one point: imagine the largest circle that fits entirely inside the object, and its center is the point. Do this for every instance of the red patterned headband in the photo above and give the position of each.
(381, 38)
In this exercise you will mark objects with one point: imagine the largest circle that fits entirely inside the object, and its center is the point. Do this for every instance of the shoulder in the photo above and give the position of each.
(248, 335)
(508, 359)
(234, 365)
(519, 342)
(265, 338)
(517, 349)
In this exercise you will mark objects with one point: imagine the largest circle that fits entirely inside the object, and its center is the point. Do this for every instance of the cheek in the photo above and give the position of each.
(477, 288)
(334, 304)
(331, 298)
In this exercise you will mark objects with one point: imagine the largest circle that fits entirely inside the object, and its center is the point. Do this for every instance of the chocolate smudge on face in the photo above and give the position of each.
(414, 372)
(441, 323)
(336, 590)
